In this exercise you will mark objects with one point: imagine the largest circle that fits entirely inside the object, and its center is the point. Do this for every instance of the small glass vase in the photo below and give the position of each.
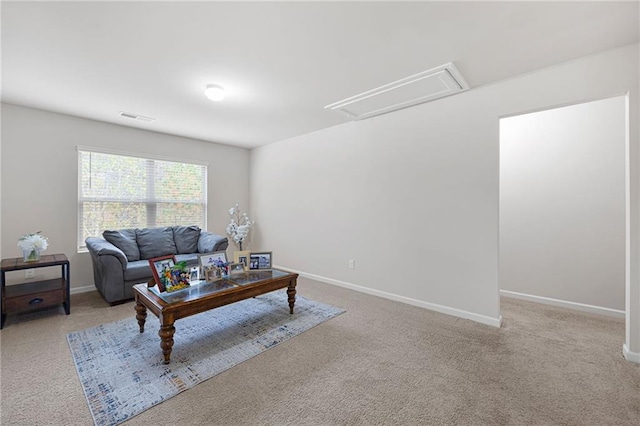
(31, 255)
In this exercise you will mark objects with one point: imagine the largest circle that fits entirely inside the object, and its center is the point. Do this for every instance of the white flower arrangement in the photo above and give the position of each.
(32, 242)
(239, 227)
(31, 245)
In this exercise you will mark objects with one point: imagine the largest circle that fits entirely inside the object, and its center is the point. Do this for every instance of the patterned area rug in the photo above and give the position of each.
(121, 369)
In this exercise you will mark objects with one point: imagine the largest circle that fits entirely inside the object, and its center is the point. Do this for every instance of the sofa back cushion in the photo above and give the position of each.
(186, 238)
(155, 242)
(125, 240)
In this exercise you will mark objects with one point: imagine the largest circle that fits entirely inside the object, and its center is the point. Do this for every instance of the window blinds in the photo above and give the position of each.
(121, 191)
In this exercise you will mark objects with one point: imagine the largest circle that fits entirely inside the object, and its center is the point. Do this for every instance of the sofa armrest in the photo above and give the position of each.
(210, 242)
(101, 247)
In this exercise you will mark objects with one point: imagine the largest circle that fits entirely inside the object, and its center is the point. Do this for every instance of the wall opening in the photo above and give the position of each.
(562, 206)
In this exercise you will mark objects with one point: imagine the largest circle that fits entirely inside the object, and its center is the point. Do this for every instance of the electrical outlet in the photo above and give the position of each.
(30, 273)
(352, 264)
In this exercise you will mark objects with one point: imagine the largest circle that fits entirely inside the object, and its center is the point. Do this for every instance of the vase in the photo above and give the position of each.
(31, 255)
(240, 243)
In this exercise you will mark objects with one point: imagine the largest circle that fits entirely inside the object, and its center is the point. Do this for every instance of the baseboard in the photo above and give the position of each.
(85, 289)
(564, 304)
(495, 322)
(630, 356)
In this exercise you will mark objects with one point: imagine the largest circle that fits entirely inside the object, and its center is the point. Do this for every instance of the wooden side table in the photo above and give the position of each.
(36, 294)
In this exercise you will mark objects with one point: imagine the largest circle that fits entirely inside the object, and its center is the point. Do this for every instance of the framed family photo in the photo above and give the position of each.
(260, 261)
(211, 258)
(212, 274)
(158, 265)
(242, 257)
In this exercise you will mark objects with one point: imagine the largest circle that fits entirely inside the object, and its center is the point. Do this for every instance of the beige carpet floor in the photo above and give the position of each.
(380, 363)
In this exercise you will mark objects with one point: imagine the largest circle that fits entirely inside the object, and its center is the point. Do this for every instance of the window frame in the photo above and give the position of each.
(81, 246)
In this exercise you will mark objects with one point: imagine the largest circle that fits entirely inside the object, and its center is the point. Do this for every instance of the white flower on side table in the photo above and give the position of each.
(31, 246)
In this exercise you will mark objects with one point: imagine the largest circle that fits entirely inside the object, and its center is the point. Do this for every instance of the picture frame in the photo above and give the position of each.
(236, 269)
(212, 274)
(260, 261)
(242, 257)
(194, 274)
(158, 264)
(210, 258)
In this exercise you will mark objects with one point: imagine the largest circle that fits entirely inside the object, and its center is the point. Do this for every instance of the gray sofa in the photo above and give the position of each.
(121, 258)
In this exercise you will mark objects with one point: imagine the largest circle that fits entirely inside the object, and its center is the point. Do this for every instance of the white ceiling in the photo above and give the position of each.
(281, 62)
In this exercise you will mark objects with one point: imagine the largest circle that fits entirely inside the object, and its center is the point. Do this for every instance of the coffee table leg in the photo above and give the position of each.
(141, 315)
(291, 292)
(166, 341)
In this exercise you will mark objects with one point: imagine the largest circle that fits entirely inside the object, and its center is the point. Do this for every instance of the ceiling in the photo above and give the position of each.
(281, 62)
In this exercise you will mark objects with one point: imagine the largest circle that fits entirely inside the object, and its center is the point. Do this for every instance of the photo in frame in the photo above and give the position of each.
(236, 269)
(242, 257)
(158, 265)
(212, 274)
(211, 258)
(260, 261)
(194, 274)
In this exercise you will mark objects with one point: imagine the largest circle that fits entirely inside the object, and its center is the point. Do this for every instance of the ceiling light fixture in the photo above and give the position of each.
(214, 92)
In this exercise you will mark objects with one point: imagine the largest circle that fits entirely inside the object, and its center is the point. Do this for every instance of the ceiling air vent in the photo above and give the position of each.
(425, 86)
(137, 117)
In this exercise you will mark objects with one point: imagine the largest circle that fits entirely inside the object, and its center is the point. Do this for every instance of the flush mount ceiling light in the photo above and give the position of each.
(214, 92)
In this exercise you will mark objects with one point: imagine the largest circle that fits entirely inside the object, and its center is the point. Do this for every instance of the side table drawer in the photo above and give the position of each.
(33, 301)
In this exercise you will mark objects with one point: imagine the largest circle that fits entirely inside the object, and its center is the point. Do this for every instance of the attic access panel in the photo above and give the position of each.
(426, 86)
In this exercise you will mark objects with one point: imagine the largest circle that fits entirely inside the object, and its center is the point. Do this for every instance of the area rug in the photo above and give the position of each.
(121, 369)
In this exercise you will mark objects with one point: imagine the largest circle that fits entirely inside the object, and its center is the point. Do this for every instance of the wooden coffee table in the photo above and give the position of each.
(203, 296)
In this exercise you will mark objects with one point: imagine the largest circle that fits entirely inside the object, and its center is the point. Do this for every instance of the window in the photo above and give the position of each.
(119, 191)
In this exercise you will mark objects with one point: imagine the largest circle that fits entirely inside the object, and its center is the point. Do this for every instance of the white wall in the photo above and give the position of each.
(562, 203)
(412, 196)
(1, 257)
(40, 177)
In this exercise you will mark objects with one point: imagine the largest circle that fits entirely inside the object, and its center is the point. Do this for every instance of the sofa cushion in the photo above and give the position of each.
(186, 238)
(210, 242)
(139, 271)
(125, 240)
(191, 259)
(155, 242)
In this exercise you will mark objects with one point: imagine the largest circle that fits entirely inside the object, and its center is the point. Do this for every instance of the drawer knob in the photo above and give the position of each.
(36, 301)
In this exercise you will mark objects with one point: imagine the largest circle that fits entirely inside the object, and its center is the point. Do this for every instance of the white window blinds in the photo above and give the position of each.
(119, 191)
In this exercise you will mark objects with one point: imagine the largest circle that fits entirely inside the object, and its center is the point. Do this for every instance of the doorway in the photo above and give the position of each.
(562, 206)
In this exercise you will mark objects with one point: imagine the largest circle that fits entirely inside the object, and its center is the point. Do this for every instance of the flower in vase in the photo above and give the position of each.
(32, 242)
(31, 246)
(240, 225)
